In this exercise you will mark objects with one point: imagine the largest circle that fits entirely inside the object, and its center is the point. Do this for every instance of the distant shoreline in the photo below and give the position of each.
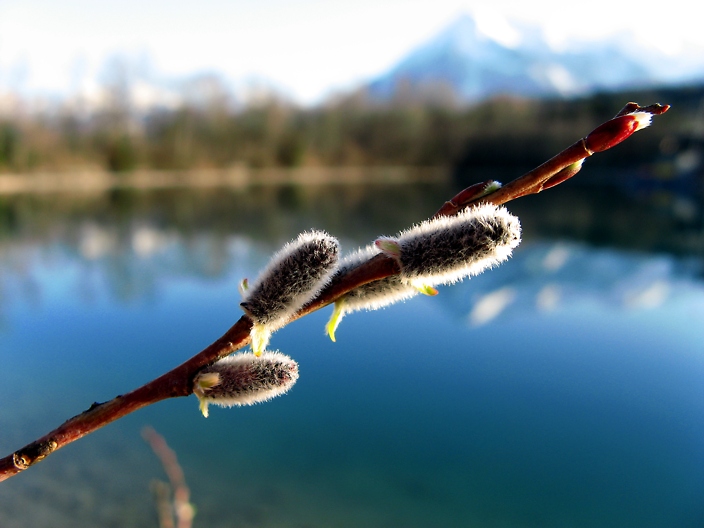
(82, 181)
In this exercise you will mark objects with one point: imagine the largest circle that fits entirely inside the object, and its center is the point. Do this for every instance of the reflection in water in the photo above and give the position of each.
(142, 238)
(490, 305)
(552, 276)
(561, 389)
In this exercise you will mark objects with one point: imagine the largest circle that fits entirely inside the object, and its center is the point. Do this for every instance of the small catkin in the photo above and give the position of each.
(294, 276)
(376, 294)
(370, 296)
(445, 250)
(245, 379)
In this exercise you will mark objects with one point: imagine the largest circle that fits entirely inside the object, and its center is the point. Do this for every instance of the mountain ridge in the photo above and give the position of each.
(466, 64)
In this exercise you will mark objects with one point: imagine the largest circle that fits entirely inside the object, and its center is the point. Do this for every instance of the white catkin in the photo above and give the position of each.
(295, 275)
(376, 294)
(370, 296)
(445, 250)
(245, 379)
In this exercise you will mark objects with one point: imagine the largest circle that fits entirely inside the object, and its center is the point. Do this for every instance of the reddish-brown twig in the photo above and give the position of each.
(179, 381)
(561, 167)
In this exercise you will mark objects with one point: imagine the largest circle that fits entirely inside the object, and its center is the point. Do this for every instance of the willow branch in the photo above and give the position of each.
(179, 381)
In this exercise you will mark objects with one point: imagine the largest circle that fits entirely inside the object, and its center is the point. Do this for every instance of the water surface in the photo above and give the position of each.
(562, 389)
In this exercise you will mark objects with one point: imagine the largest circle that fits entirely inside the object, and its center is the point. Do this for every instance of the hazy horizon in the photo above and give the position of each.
(305, 51)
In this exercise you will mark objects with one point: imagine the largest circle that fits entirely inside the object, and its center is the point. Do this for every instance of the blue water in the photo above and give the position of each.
(578, 404)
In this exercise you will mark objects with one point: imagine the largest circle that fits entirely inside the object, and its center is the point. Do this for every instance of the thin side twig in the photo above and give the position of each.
(182, 506)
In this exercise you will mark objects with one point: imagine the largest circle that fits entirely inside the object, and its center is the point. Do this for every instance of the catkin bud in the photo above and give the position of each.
(294, 276)
(370, 296)
(245, 379)
(616, 130)
(445, 250)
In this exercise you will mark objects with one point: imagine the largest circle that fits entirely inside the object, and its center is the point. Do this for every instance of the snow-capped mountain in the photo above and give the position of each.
(474, 65)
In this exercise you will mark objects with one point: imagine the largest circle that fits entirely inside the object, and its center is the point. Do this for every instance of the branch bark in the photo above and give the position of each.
(179, 381)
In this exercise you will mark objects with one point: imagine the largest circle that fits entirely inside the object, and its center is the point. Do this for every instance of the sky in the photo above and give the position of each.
(308, 49)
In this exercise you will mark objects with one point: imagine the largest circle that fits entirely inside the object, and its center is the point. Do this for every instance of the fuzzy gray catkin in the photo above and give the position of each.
(370, 296)
(375, 294)
(245, 379)
(445, 250)
(295, 275)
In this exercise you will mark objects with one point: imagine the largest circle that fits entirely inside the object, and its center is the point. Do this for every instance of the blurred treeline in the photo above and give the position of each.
(351, 131)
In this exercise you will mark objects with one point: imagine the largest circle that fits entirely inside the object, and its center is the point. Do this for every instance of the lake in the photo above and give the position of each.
(562, 389)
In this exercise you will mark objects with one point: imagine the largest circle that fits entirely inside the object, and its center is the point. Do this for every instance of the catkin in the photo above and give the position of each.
(445, 250)
(295, 275)
(245, 379)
